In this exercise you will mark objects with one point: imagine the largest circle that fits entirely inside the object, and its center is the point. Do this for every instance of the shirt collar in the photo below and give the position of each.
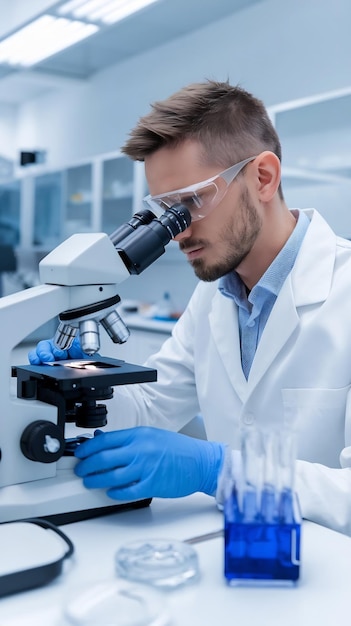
(272, 280)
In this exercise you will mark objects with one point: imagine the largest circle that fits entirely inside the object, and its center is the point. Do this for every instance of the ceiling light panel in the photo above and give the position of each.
(42, 38)
(105, 11)
(125, 9)
(69, 7)
(88, 9)
(65, 25)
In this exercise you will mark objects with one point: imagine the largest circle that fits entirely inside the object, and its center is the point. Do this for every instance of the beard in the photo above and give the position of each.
(236, 238)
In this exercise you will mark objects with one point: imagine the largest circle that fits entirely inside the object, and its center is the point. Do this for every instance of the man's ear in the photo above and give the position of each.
(268, 174)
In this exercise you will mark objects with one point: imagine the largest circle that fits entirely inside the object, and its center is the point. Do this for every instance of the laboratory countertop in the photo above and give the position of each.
(140, 322)
(322, 595)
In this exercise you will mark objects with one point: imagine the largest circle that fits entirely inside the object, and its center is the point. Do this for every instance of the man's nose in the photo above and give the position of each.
(184, 235)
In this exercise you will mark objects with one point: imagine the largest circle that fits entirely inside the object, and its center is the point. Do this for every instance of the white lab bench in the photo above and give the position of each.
(322, 595)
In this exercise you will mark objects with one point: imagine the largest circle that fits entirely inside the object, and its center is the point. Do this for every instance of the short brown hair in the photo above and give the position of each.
(229, 122)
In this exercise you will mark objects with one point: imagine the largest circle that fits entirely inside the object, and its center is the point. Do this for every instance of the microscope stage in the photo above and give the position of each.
(94, 372)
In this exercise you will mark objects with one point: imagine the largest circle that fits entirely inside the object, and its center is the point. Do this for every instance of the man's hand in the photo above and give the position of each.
(145, 462)
(46, 352)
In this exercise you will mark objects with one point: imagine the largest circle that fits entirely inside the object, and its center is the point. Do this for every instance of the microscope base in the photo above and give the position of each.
(60, 519)
(62, 500)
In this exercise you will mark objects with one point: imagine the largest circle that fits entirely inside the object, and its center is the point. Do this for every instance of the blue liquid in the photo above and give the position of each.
(260, 550)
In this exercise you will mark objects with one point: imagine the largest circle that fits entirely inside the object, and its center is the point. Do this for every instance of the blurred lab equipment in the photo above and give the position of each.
(79, 284)
(163, 307)
(32, 554)
(163, 563)
(8, 261)
(262, 516)
(116, 603)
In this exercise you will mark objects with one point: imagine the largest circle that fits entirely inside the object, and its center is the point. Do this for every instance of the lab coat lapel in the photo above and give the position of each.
(224, 326)
(225, 330)
(309, 283)
(280, 325)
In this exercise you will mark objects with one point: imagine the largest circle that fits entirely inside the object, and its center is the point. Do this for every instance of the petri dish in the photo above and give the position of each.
(165, 563)
(116, 603)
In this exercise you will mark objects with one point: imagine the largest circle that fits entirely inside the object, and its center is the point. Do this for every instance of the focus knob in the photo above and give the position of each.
(42, 441)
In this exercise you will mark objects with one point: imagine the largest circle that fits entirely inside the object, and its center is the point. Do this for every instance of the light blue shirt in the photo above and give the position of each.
(255, 308)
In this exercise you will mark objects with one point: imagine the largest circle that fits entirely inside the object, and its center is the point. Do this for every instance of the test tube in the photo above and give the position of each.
(252, 459)
(261, 515)
(287, 458)
(270, 440)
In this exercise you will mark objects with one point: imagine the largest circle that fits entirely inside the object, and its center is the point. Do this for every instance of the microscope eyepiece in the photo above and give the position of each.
(139, 219)
(175, 220)
(147, 243)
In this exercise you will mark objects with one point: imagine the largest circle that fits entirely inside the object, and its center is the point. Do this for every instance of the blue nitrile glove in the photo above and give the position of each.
(146, 462)
(46, 352)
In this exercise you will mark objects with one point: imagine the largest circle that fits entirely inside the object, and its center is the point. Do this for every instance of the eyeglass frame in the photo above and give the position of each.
(228, 176)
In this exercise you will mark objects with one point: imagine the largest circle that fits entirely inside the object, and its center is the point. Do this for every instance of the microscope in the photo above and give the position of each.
(79, 284)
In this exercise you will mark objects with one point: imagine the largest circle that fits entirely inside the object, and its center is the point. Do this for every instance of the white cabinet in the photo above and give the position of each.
(78, 200)
(45, 198)
(97, 195)
(117, 192)
(146, 343)
(10, 196)
(315, 134)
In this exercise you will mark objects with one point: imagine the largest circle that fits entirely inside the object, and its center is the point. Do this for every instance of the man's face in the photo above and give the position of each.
(219, 242)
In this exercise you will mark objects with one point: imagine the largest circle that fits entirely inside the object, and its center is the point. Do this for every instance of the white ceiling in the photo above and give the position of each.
(163, 21)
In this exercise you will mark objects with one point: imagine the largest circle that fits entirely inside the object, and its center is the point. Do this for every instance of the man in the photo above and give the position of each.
(266, 337)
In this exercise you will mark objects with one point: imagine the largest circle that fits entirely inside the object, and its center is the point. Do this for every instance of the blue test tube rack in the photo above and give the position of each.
(262, 519)
(262, 551)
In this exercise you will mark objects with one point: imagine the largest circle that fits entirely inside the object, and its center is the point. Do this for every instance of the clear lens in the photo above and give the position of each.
(200, 198)
(199, 202)
(154, 205)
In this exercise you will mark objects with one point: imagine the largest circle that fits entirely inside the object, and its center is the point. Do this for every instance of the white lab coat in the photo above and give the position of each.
(301, 373)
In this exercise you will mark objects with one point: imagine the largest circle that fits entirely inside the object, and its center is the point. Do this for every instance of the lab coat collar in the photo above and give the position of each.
(308, 283)
(312, 273)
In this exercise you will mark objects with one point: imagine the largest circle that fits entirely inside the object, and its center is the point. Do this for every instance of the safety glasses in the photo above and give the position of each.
(201, 198)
